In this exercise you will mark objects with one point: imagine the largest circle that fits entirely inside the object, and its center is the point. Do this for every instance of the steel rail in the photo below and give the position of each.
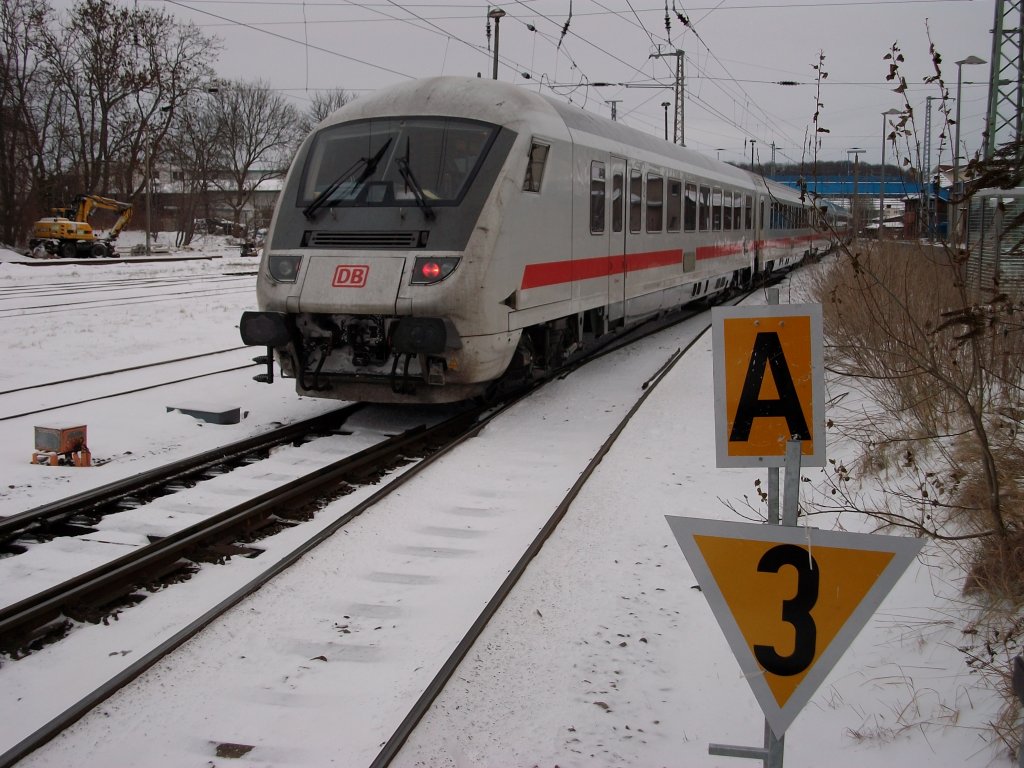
(86, 501)
(42, 607)
(394, 744)
(123, 370)
(472, 422)
(128, 391)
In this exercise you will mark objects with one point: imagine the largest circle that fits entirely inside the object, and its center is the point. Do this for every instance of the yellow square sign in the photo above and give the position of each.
(769, 384)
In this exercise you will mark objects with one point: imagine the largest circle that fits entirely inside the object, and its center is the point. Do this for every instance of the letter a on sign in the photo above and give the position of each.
(769, 384)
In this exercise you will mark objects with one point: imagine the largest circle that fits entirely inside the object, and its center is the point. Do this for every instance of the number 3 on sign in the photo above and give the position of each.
(795, 611)
(789, 600)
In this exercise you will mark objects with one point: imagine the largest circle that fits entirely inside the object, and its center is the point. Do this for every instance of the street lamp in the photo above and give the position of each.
(956, 145)
(665, 106)
(497, 14)
(856, 152)
(881, 186)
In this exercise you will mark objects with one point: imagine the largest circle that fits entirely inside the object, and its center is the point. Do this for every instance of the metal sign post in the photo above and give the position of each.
(772, 752)
(814, 590)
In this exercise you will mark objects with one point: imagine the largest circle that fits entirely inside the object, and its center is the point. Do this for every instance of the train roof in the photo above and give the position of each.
(521, 109)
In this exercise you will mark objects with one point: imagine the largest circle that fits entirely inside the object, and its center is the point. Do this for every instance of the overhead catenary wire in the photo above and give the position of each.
(421, 18)
(328, 51)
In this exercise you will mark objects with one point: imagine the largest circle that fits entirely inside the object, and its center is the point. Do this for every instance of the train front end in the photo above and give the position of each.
(373, 284)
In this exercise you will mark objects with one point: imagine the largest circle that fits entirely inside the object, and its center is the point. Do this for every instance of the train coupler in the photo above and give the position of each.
(268, 360)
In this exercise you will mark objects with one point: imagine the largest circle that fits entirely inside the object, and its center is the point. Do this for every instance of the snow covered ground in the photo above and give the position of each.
(605, 654)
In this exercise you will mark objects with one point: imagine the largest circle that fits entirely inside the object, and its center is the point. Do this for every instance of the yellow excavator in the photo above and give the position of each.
(67, 234)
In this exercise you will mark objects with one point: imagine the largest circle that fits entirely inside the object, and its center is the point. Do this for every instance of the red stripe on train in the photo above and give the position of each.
(559, 272)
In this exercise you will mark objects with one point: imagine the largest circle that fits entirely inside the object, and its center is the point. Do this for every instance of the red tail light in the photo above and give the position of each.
(429, 270)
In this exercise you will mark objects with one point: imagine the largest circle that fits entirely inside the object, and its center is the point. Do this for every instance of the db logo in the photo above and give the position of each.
(350, 276)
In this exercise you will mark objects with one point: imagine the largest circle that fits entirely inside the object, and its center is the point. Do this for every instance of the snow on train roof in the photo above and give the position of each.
(474, 98)
(518, 108)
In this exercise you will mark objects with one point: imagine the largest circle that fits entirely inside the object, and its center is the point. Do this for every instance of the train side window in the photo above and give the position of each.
(597, 197)
(535, 167)
(636, 197)
(617, 202)
(761, 217)
(748, 203)
(655, 202)
(727, 211)
(716, 209)
(704, 210)
(737, 211)
(675, 205)
(690, 209)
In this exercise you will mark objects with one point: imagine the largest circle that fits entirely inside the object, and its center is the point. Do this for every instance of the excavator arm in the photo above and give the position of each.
(86, 204)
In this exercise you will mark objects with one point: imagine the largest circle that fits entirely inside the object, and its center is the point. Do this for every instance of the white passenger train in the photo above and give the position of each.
(439, 235)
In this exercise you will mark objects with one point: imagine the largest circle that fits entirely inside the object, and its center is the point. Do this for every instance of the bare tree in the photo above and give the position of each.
(194, 150)
(120, 71)
(26, 104)
(260, 130)
(323, 104)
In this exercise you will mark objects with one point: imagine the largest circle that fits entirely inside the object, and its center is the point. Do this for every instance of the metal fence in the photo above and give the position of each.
(995, 240)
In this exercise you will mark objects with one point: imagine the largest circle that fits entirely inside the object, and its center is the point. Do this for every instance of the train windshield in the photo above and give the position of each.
(394, 161)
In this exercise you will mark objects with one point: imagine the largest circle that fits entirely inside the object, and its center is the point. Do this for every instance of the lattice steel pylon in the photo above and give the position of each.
(679, 132)
(679, 123)
(1005, 88)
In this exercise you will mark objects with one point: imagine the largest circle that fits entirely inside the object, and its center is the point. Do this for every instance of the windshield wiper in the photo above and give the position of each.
(414, 185)
(368, 171)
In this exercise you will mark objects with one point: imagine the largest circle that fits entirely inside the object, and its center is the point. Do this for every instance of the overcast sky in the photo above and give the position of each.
(736, 53)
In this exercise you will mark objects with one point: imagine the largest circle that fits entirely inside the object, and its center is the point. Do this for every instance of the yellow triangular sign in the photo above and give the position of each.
(789, 600)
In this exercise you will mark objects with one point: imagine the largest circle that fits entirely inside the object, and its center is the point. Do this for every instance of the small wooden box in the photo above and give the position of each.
(61, 439)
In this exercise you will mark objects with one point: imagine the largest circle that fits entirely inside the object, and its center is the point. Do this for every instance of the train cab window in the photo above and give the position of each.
(655, 202)
(597, 197)
(748, 204)
(636, 198)
(393, 161)
(716, 209)
(535, 167)
(617, 186)
(704, 209)
(690, 209)
(675, 205)
(727, 211)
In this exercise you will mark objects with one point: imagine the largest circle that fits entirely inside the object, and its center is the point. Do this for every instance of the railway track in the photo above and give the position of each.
(236, 519)
(29, 400)
(87, 596)
(38, 290)
(76, 514)
(34, 310)
(102, 592)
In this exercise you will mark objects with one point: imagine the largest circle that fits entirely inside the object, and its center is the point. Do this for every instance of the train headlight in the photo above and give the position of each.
(428, 270)
(284, 267)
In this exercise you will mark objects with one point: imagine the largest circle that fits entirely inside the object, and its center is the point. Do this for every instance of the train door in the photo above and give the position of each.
(759, 243)
(617, 244)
